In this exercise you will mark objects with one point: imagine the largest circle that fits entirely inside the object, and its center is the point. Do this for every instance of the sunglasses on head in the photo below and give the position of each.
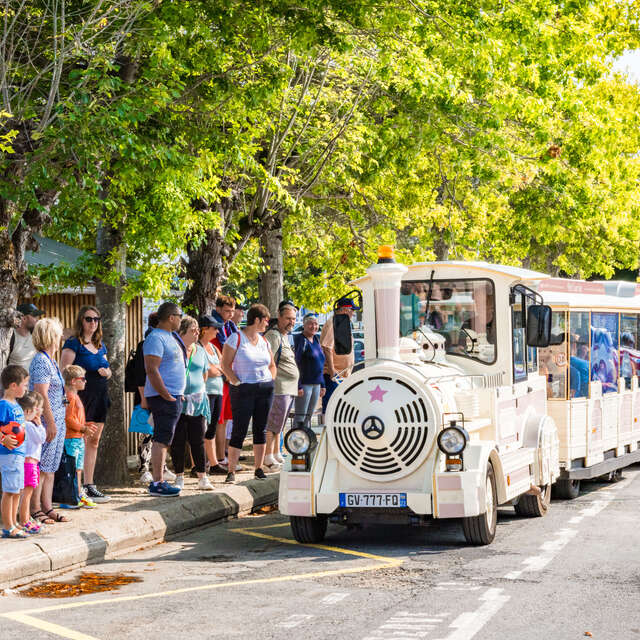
(92, 319)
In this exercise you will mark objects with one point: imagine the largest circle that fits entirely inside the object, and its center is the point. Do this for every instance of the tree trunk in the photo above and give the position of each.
(441, 247)
(271, 280)
(206, 269)
(111, 466)
(8, 295)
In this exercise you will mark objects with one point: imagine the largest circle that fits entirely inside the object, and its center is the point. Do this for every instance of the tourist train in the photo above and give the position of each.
(484, 386)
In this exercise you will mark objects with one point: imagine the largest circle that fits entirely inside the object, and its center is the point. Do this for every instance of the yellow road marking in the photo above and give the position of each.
(63, 632)
(266, 526)
(49, 627)
(324, 547)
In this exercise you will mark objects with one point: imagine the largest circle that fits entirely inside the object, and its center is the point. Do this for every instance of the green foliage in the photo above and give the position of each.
(450, 129)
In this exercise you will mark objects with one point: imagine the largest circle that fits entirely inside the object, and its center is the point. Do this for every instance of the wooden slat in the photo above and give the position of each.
(65, 307)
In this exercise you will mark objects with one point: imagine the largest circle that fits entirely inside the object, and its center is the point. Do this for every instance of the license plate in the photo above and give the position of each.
(373, 500)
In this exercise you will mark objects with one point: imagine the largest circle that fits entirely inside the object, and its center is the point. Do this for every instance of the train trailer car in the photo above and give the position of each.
(448, 417)
(591, 367)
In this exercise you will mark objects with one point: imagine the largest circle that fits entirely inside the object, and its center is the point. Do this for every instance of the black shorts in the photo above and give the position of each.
(165, 418)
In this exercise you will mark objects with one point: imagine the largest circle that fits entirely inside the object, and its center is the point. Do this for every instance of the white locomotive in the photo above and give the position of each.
(448, 420)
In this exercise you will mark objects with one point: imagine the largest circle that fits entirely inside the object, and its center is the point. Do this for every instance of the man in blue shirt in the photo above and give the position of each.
(164, 362)
(15, 380)
(225, 306)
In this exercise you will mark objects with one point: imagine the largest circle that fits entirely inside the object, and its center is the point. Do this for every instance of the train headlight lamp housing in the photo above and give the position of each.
(299, 442)
(453, 440)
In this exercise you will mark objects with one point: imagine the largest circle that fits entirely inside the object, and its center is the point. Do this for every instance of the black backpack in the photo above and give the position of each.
(130, 372)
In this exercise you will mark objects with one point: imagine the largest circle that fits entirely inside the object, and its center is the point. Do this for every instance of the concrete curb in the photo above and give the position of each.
(26, 560)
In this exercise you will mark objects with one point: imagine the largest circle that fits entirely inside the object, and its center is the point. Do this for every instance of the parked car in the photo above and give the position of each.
(358, 350)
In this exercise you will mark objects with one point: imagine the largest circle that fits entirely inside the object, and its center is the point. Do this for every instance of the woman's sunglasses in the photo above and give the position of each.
(91, 319)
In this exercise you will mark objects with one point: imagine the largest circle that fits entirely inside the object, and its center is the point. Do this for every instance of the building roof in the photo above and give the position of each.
(53, 253)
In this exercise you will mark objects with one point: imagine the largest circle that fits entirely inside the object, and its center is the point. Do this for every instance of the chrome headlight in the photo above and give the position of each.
(299, 441)
(452, 440)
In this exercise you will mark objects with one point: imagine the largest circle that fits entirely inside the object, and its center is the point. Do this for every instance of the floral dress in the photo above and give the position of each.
(44, 371)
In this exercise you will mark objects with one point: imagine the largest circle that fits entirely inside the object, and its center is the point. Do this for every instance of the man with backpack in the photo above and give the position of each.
(21, 349)
(286, 388)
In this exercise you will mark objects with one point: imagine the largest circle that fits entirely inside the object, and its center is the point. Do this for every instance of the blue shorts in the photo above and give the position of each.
(74, 447)
(12, 469)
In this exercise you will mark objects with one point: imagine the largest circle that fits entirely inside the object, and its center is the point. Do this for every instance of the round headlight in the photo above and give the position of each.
(452, 441)
(297, 441)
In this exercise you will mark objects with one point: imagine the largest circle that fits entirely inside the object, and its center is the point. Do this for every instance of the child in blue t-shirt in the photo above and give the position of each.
(15, 380)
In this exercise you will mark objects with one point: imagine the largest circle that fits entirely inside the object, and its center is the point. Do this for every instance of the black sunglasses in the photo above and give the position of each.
(91, 319)
(177, 314)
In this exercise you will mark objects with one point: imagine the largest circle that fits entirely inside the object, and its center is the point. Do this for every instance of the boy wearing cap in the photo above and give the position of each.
(335, 364)
(21, 349)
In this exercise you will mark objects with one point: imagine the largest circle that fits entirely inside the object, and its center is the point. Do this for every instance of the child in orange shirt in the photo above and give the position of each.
(77, 426)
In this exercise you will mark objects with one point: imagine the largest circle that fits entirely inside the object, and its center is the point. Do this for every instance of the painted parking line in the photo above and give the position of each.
(25, 617)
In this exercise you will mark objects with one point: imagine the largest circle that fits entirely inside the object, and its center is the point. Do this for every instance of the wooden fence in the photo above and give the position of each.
(65, 307)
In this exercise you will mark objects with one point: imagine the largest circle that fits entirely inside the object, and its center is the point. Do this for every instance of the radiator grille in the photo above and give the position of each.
(380, 427)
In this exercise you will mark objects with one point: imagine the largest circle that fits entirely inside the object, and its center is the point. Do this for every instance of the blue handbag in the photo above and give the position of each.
(140, 421)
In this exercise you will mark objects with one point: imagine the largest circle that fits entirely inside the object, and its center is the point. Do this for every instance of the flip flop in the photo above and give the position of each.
(56, 517)
(39, 516)
(14, 532)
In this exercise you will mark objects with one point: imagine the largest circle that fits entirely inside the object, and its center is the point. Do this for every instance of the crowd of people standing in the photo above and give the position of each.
(199, 384)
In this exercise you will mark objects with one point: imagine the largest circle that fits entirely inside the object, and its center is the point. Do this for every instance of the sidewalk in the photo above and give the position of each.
(131, 520)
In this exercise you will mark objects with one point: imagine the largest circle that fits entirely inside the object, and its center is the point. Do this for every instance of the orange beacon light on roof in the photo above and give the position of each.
(385, 253)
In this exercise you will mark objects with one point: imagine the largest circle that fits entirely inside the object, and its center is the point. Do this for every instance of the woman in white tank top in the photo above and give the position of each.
(248, 364)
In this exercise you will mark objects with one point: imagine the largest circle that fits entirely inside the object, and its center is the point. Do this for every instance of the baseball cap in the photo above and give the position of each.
(209, 321)
(287, 303)
(28, 309)
(347, 302)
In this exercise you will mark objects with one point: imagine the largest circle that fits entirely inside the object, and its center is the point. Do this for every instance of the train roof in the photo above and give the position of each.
(599, 294)
(518, 273)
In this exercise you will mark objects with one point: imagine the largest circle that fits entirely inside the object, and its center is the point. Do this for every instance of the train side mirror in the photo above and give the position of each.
(539, 325)
(342, 336)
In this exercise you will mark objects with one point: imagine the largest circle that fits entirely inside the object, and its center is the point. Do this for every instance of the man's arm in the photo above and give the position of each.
(151, 364)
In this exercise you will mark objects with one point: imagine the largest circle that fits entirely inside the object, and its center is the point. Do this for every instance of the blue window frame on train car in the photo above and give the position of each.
(579, 368)
(605, 364)
(629, 347)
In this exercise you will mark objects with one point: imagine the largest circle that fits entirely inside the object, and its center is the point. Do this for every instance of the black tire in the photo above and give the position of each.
(306, 530)
(566, 489)
(534, 506)
(614, 476)
(481, 530)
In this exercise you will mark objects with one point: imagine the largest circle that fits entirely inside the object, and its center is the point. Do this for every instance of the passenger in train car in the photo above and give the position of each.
(628, 358)
(553, 366)
(578, 368)
(604, 356)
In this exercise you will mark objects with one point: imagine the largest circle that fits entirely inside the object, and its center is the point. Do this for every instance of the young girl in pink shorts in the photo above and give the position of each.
(32, 405)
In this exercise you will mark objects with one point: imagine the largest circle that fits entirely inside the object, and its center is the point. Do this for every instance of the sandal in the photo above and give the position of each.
(56, 517)
(14, 532)
(42, 518)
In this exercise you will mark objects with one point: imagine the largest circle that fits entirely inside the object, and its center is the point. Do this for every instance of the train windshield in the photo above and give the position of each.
(462, 311)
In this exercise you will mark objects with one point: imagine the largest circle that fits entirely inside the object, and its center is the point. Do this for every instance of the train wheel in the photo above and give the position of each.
(481, 530)
(566, 489)
(534, 505)
(308, 530)
(614, 476)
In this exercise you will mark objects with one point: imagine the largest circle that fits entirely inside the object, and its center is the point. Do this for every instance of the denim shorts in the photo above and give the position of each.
(12, 469)
(165, 418)
(74, 448)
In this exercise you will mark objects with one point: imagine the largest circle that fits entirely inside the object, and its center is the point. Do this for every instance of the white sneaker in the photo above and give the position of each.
(269, 460)
(179, 481)
(271, 468)
(146, 477)
(279, 459)
(168, 476)
(205, 485)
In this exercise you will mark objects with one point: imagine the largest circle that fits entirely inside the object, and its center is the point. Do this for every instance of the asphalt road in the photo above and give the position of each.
(570, 574)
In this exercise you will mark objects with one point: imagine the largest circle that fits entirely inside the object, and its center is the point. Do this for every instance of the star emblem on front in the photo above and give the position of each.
(377, 394)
